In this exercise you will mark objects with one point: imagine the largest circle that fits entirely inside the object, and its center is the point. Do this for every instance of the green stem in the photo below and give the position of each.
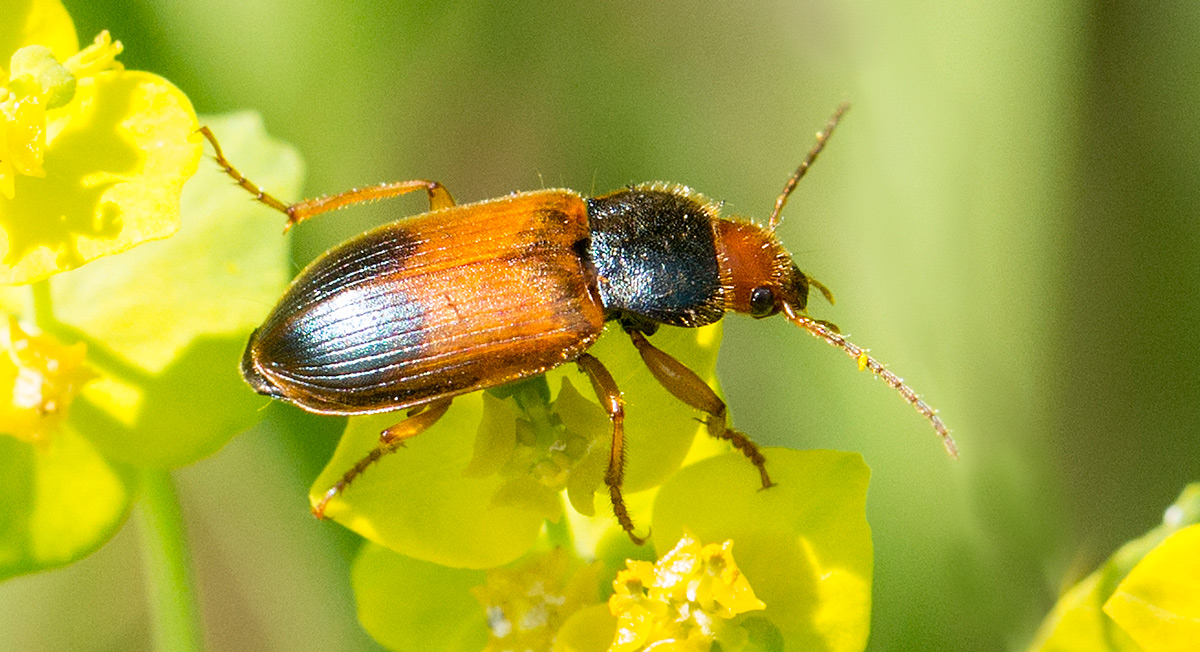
(559, 534)
(99, 355)
(167, 565)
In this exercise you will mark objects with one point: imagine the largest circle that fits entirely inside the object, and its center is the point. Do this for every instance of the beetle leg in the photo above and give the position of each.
(390, 440)
(688, 387)
(439, 196)
(259, 194)
(610, 399)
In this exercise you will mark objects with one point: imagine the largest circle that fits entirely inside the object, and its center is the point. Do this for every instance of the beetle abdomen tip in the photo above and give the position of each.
(253, 375)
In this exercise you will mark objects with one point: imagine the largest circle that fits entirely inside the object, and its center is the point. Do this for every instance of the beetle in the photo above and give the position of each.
(467, 297)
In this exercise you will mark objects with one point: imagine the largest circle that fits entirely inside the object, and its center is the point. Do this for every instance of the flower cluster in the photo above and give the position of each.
(802, 577)
(36, 84)
(39, 378)
(682, 602)
(527, 603)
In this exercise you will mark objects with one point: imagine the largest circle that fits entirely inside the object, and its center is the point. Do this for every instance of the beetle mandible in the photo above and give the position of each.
(413, 313)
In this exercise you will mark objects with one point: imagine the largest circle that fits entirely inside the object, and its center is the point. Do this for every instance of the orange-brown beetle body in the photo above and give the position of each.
(463, 298)
(437, 305)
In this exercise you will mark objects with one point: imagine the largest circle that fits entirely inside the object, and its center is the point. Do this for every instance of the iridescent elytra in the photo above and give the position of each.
(466, 297)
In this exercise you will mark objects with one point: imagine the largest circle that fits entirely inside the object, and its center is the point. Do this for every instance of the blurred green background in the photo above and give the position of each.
(1008, 217)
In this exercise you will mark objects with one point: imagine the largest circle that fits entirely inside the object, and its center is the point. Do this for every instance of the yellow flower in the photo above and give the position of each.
(682, 601)
(527, 604)
(541, 447)
(39, 377)
(92, 156)
(1158, 603)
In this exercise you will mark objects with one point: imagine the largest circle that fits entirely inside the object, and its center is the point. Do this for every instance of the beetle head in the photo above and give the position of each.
(761, 275)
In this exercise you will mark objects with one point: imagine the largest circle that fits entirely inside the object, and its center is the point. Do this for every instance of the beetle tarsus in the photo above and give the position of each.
(349, 476)
(610, 399)
(622, 514)
(318, 510)
(260, 195)
(390, 440)
(744, 444)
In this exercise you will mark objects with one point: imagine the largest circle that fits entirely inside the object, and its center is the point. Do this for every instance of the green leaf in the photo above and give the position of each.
(59, 501)
(1158, 603)
(166, 322)
(803, 544)
(1078, 622)
(407, 604)
(164, 325)
(420, 501)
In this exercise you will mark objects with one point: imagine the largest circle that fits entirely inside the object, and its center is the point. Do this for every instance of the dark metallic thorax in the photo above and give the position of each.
(655, 256)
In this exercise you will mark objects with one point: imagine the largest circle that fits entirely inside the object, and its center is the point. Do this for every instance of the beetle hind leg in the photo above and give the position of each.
(260, 195)
(610, 399)
(684, 384)
(439, 196)
(392, 439)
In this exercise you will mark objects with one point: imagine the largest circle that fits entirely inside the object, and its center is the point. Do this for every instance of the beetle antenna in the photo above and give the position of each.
(822, 136)
(866, 362)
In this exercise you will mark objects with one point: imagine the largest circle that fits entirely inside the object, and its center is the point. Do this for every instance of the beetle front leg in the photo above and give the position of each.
(439, 196)
(688, 387)
(419, 420)
(610, 399)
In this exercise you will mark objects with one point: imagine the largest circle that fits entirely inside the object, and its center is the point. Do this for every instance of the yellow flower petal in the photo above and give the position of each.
(1158, 603)
(23, 115)
(92, 158)
(27, 22)
(8, 173)
(804, 545)
(116, 159)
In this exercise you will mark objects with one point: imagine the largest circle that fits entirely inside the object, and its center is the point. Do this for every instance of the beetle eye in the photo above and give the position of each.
(762, 301)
